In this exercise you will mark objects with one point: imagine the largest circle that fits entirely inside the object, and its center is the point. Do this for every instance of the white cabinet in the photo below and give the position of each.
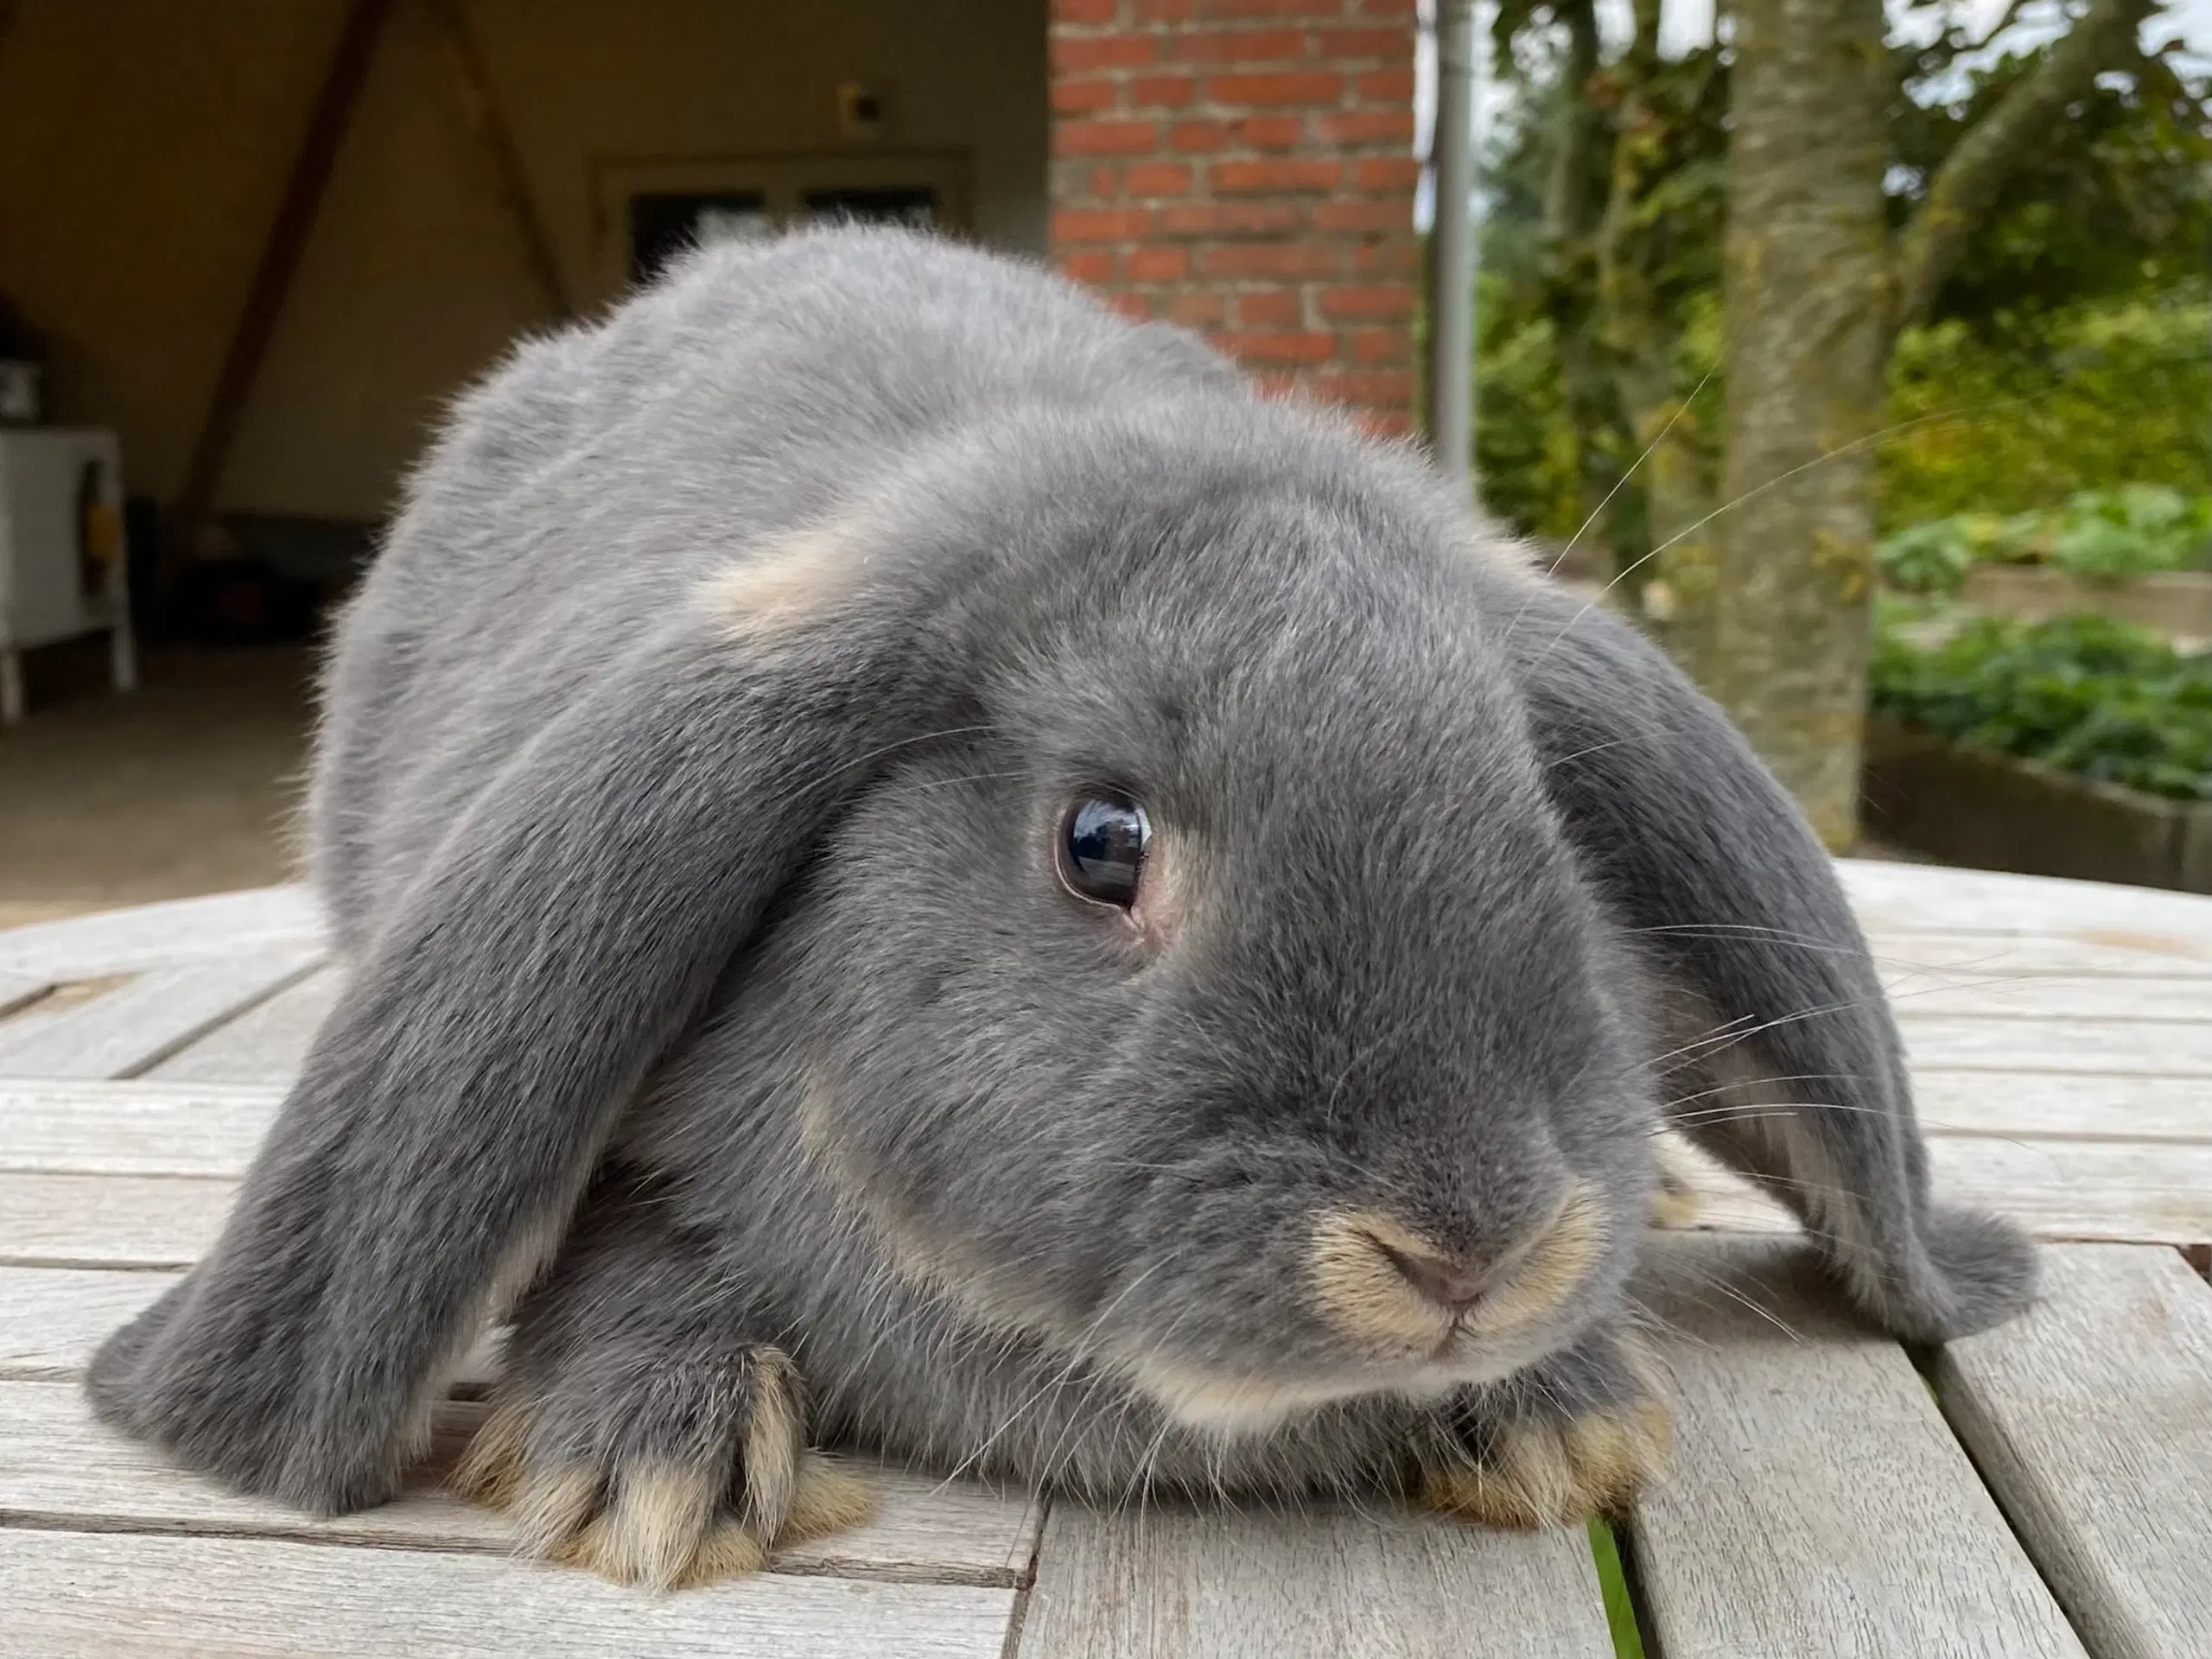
(62, 570)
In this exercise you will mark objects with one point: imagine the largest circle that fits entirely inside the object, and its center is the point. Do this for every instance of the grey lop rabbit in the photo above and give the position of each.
(921, 867)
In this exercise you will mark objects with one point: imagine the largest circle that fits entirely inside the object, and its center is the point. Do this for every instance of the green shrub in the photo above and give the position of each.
(2084, 693)
(2104, 535)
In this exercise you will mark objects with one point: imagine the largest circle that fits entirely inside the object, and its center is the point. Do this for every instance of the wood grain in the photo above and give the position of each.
(265, 1045)
(2092, 1418)
(132, 1128)
(109, 1221)
(2059, 1106)
(2050, 996)
(60, 1467)
(149, 1018)
(52, 1318)
(1819, 1503)
(165, 935)
(94, 1595)
(15, 989)
(2079, 955)
(2091, 1047)
(1892, 898)
(1176, 1584)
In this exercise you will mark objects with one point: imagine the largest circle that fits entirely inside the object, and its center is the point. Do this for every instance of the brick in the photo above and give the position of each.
(1271, 308)
(1392, 386)
(1159, 264)
(1386, 173)
(1082, 96)
(1368, 127)
(1298, 8)
(1136, 307)
(1275, 177)
(1344, 45)
(1079, 181)
(1091, 264)
(1245, 45)
(1387, 258)
(1105, 138)
(1386, 422)
(1271, 132)
(1277, 345)
(1310, 86)
(1102, 223)
(1372, 345)
(1362, 216)
(1161, 92)
(1157, 178)
(1278, 259)
(1195, 309)
(1084, 11)
(1373, 300)
(1167, 11)
(1233, 219)
(1384, 85)
(1386, 7)
(1074, 55)
(1196, 135)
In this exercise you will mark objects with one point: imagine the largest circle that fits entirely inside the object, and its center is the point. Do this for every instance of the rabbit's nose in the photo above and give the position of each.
(1446, 1280)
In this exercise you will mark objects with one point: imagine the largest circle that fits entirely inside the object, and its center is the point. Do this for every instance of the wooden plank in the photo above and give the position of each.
(58, 1467)
(1979, 954)
(161, 936)
(266, 1044)
(2062, 1106)
(109, 1221)
(1892, 898)
(1165, 1582)
(93, 1595)
(1818, 1503)
(151, 1017)
(2142, 1048)
(2092, 1418)
(2048, 996)
(2143, 1192)
(52, 1318)
(15, 989)
(132, 1128)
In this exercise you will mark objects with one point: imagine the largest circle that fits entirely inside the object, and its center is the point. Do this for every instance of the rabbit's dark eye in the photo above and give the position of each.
(1103, 841)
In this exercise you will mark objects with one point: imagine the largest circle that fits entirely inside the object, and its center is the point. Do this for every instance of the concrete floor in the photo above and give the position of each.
(186, 786)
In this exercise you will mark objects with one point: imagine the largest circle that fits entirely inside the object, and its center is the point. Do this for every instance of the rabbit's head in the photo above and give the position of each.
(1206, 983)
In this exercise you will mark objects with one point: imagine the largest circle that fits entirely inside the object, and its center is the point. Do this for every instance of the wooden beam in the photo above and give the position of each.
(287, 240)
(481, 103)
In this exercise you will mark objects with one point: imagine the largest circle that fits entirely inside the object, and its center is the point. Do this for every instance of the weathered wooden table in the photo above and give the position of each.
(2045, 1489)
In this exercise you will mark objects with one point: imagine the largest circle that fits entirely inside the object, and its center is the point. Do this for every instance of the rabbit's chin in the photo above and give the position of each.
(1219, 1403)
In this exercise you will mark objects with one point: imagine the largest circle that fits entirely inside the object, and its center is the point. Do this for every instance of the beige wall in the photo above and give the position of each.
(143, 145)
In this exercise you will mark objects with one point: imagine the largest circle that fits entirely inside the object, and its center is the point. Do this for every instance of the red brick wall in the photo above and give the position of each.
(1245, 166)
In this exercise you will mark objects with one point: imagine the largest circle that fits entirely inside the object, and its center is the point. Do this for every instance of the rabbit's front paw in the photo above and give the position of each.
(681, 1474)
(1576, 1436)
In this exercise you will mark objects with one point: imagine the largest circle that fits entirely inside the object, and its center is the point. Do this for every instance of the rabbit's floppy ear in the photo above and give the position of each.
(454, 1102)
(1791, 1068)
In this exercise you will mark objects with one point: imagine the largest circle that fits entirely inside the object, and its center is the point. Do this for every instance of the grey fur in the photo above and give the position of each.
(764, 930)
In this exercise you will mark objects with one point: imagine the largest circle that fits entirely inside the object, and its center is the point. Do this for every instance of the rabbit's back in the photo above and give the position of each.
(578, 492)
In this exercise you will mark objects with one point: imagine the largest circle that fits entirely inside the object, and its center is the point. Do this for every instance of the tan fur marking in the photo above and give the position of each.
(1360, 1290)
(1675, 1200)
(774, 588)
(1558, 1260)
(773, 1440)
(549, 1508)
(490, 1471)
(659, 1519)
(1549, 1473)
(830, 1498)
(727, 1552)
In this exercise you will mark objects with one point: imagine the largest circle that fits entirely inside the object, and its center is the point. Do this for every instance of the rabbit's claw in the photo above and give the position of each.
(694, 1477)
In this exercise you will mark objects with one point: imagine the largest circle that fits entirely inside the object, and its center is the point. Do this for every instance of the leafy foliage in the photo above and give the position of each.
(2086, 693)
(2104, 535)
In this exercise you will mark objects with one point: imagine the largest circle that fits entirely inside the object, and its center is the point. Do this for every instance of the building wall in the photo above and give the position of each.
(1245, 166)
(144, 144)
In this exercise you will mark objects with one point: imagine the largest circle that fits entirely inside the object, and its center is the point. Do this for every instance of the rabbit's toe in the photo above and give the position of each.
(686, 1480)
(1540, 1471)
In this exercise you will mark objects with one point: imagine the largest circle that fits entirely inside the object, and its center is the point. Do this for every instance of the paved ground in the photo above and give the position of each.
(184, 787)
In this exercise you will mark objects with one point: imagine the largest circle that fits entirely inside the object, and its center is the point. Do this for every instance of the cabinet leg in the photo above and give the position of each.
(11, 686)
(122, 657)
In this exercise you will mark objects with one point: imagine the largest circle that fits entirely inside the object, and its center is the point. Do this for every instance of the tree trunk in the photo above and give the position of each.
(1784, 648)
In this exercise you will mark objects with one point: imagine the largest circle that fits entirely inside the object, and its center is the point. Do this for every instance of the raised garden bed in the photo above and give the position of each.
(1977, 807)
(2177, 603)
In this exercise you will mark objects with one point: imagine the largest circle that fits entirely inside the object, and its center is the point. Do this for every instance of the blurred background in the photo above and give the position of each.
(1863, 355)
